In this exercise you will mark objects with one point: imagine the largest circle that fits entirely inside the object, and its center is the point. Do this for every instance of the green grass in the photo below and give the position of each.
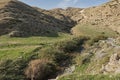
(90, 77)
(16, 56)
(15, 47)
(93, 30)
(56, 49)
(15, 52)
(11, 48)
(31, 40)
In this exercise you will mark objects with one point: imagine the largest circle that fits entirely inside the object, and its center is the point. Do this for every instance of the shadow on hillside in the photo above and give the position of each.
(31, 22)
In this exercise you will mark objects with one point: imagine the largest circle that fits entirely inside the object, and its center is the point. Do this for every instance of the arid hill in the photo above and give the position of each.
(105, 15)
(19, 19)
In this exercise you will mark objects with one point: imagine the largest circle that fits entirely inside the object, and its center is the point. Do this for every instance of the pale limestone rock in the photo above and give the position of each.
(113, 66)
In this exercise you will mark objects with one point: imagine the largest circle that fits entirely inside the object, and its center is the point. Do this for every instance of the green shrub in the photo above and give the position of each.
(53, 54)
(71, 44)
(14, 69)
(60, 51)
(60, 58)
(96, 39)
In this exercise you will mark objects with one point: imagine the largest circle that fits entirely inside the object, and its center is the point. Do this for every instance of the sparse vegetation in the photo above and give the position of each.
(93, 31)
(96, 39)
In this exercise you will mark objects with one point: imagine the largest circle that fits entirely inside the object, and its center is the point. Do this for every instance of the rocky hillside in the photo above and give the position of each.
(106, 15)
(19, 19)
(102, 58)
(105, 56)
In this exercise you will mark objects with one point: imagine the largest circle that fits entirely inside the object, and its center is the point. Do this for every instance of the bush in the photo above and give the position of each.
(100, 37)
(14, 69)
(58, 53)
(55, 55)
(40, 69)
(60, 58)
(71, 44)
(96, 39)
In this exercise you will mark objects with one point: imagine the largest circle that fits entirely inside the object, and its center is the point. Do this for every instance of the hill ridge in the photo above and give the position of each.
(19, 19)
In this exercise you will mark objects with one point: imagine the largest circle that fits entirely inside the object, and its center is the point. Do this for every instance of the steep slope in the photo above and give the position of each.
(61, 14)
(72, 13)
(19, 19)
(106, 15)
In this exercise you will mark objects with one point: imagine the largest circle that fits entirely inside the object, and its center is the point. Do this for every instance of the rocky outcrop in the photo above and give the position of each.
(104, 57)
(113, 66)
